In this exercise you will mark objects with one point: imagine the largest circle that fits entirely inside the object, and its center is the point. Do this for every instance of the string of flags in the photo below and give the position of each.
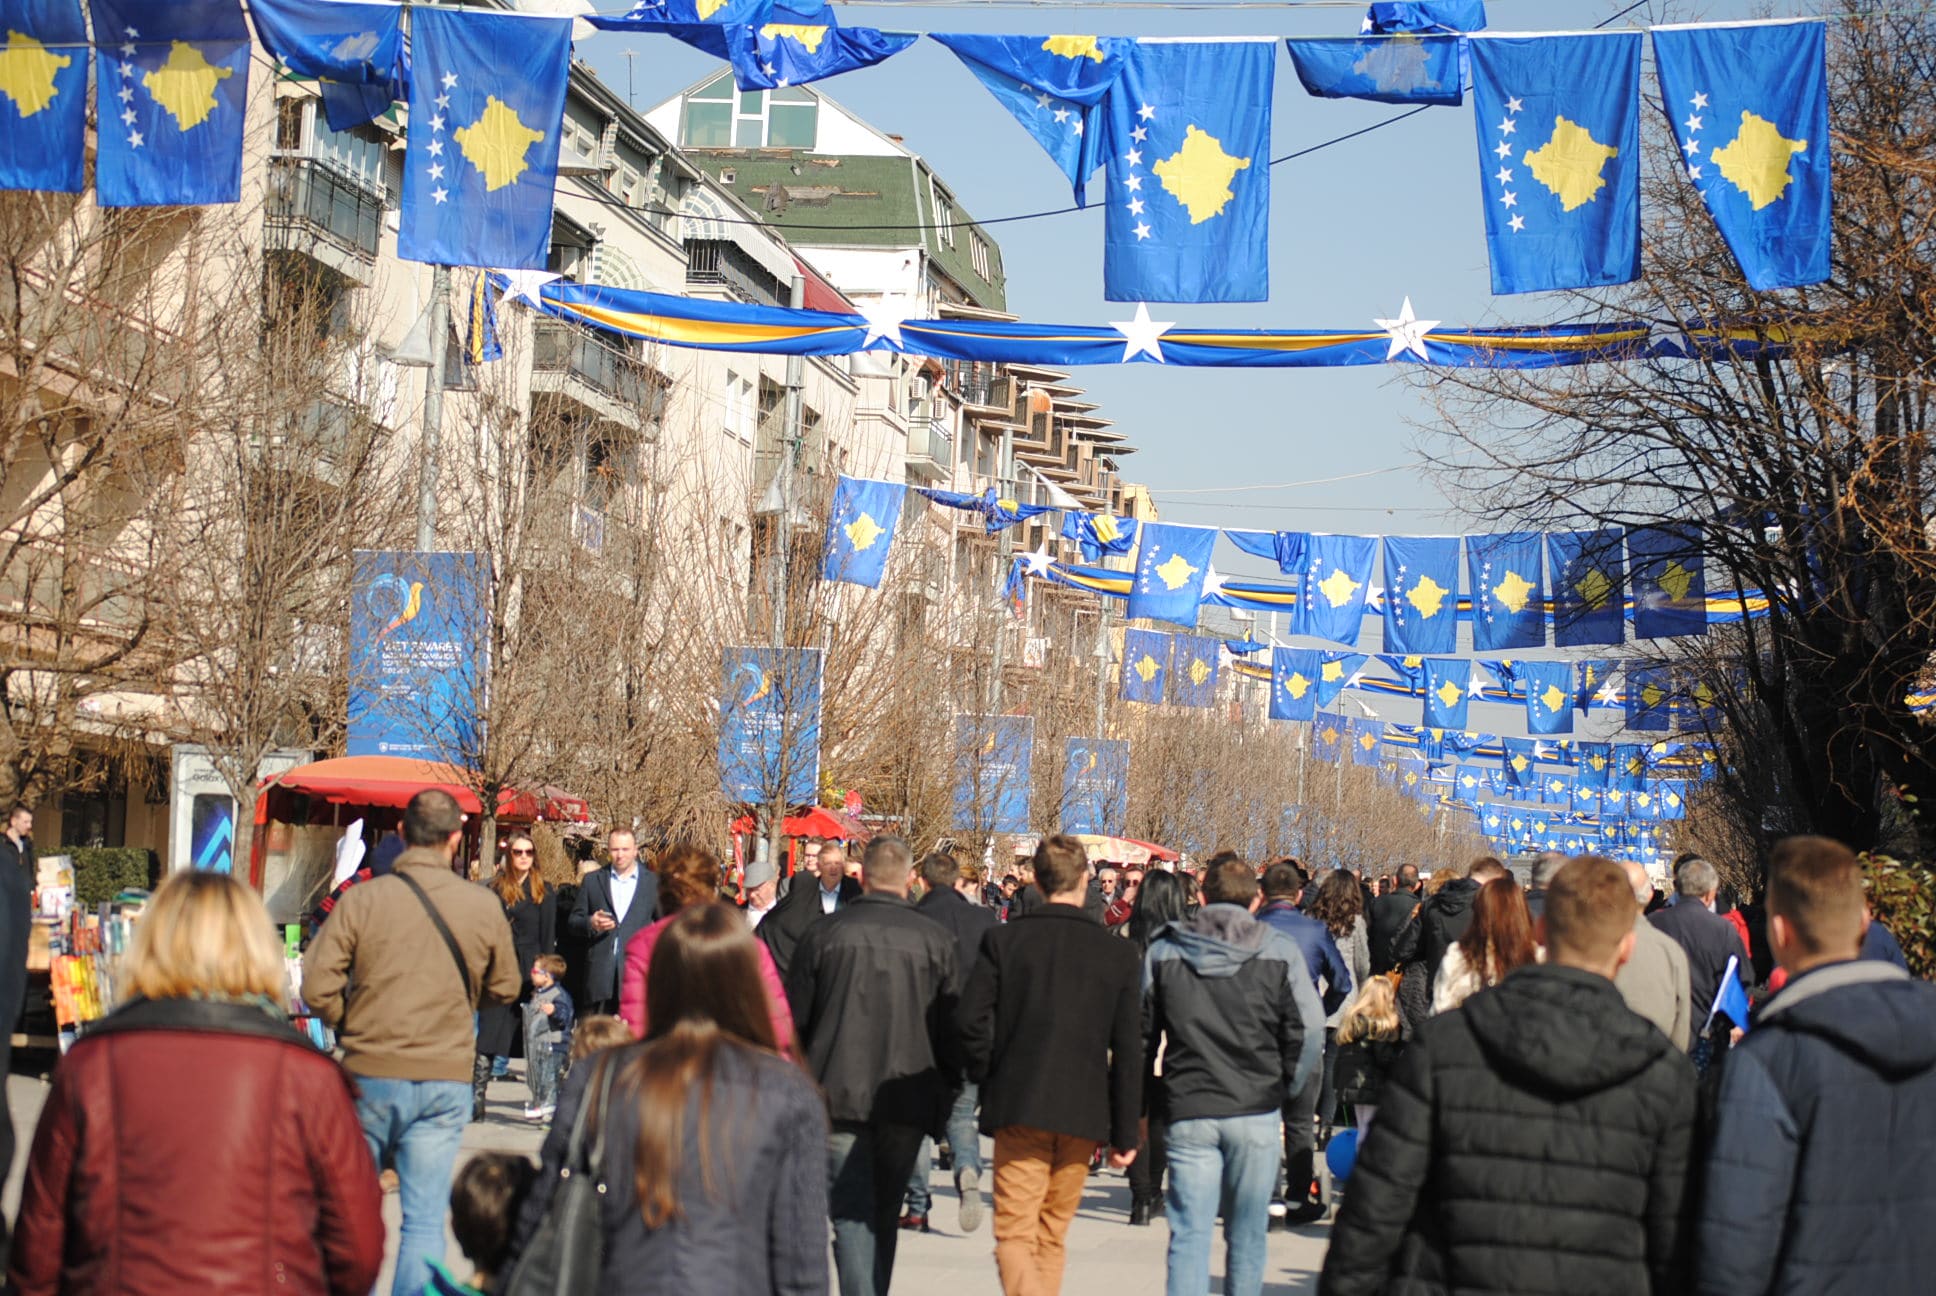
(1180, 129)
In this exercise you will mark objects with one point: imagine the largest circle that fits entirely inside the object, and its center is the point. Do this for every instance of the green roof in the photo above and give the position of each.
(867, 202)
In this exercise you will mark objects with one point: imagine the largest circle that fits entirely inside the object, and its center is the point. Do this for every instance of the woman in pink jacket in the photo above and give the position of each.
(689, 875)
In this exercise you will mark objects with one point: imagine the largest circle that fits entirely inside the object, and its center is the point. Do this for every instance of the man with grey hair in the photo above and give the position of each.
(1545, 869)
(1708, 939)
(873, 987)
(1654, 981)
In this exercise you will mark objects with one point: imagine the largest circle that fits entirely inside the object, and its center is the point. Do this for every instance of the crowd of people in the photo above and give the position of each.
(1579, 1084)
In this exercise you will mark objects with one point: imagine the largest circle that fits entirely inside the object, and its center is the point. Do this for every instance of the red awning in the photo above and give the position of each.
(393, 780)
(816, 822)
(820, 295)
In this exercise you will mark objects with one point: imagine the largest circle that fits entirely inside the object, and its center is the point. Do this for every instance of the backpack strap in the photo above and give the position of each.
(443, 929)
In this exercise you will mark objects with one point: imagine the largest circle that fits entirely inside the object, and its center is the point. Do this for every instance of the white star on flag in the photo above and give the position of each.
(1142, 230)
(1699, 101)
(450, 80)
(436, 171)
(884, 318)
(1135, 206)
(1407, 333)
(1514, 105)
(1142, 335)
(1039, 562)
(524, 285)
(1518, 223)
(1061, 115)
(1146, 112)
(1212, 583)
(1133, 157)
(440, 194)
(1139, 134)
(134, 139)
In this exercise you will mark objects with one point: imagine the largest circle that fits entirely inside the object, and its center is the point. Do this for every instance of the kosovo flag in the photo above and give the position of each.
(1170, 570)
(1559, 147)
(1558, 788)
(487, 96)
(1508, 591)
(1670, 582)
(1749, 109)
(1643, 804)
(1589, 587)
(1613, 812)
(1589, 678)
(172, 87)
(43, 96)
(1193, 670)
(1002, 514)
(1426, 15)
(1188, 214)
(1295, 675)
(1447, 691)
(722, 12)
(860, 530)
(1054, 86)
(1467, 786)
(1629, 767)
(1146, 665)
(1649, 699)
(1099, 533)
(1421, 594)
(355, 51)
(1520, 754)
(1549, 696)
(1336, 670)
(1586, 800)
(771, 56)
(1395, 69)
(1337, 573)
(1596, 764)
(1671, 796)
(1327, 738)
(1365, 736)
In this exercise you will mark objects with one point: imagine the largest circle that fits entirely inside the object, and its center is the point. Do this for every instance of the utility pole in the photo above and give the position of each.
(1102, 661)
(1005, 552)
(796, 377)
(629, 56)
(433, 408)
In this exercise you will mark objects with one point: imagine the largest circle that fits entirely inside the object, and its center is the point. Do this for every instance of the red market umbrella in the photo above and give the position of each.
(1123, 850)
(815, 822)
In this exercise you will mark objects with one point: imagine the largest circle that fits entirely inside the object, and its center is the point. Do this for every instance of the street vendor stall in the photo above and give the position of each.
(1124, 850)
(814, 821)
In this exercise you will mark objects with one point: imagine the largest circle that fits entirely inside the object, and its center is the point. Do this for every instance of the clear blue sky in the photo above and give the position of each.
(1354, 230)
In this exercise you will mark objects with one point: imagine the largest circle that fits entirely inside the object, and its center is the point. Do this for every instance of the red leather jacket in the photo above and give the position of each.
(193, 1146)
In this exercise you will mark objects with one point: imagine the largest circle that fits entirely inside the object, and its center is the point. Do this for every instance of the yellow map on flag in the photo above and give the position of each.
(185, 85)
(27, 72)
(1198, 175)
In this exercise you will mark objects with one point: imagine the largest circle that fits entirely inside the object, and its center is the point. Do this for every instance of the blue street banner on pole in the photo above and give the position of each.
(1095, 786)
(1549, 696)
(1421, 594)
(43, 104)
(1171, 565)
(1448, 682)
(172, 88)
(1194, 660)
(1559, 151)
(860, 530)
(1295, 677)
(1520, 753)
(1366, 735)
(1649, 699)
(769, 725)
(1748, 104)
(417, 654)
(1146, 666)
(993, 780)
(1327, 738)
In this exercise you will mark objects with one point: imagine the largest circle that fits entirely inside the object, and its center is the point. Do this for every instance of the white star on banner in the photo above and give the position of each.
(1508, 126)
(436, 171)
(1142, 230)
(1145, 112)
(134, 139)
(1039, 562)
(1504, 150)
(1142, 335)
(1135, 206)
(440, 194)
(128, 117)
(1504, 176)
(1133, 182)
(1139, 134)
(523, 285)
(1212, 583)
(1692, 146)
(1077, 128)
(1407, 333)
(1044, 99)
(436, 121)
(436, 147)
(1693, 173)
(1134, 157)
(1699, 101)
(1508, 198)
(1518, 223)
(884, 318)
(1514, 105)
(127, 93)
(443, 101)
(450, 80)
(1061, 115)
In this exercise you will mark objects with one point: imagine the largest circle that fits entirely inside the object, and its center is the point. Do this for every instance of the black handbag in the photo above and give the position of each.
(567, 1251)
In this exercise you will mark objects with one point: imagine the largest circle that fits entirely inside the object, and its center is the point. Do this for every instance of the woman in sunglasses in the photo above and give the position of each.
(531, 908)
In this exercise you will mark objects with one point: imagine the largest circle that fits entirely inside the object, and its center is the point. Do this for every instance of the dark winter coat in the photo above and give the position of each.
(1385, 918)
(192, 1146)
(534, 931)
(1362, 1067)
(1051, 1023)
(1535, 1141)
(873, 989)
(1821, 1178)
(1313, 939)
(1231, 1002)
(787, 925)
(605, 951)
(966, 922)
(1442, 919)
(1710, 940)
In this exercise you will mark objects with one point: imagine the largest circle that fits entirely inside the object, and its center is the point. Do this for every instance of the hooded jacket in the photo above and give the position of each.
(1819, 1178)
(1441, 920)
(1535, 1141)
(1242, 1019)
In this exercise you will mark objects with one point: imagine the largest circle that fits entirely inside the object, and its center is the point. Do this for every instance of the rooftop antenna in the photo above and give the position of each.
(629, 101)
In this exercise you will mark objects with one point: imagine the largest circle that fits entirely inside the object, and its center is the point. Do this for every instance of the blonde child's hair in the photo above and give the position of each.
(596, 1033)
(1373, 1014)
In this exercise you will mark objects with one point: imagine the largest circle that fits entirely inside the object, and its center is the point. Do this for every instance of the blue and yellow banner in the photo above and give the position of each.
(172, 89)
(1095, 786)
(993, 781)
(43, 96)
(860, 530)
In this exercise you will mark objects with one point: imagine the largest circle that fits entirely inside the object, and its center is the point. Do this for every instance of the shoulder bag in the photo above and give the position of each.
(567, 1251)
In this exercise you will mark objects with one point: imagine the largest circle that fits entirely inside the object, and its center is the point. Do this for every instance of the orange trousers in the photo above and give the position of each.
(1039, 1178)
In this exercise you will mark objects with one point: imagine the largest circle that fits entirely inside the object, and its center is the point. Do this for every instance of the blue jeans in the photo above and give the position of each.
(919, 1199)
(867, 1175)
(1227, 1162)
(416, 1125)
(964, 1137)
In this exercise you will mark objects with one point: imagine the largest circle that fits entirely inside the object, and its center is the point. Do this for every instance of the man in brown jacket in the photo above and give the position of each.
(399, 971)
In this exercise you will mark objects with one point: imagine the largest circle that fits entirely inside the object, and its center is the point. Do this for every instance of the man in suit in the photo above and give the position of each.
(613, 904)
(951, 902)
(813, 896)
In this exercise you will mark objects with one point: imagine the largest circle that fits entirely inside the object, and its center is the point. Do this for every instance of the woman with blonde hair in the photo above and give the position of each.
(1371, 1036)
(193, 1139)
(531, 908)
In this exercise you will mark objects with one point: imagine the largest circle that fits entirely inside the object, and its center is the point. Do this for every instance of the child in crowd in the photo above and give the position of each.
(1371, 1035)
(596, 1034)
(484, 1203)
(547, 1035)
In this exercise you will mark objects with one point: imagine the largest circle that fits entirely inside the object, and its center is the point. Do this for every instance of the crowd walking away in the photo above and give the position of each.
(1567, 1075)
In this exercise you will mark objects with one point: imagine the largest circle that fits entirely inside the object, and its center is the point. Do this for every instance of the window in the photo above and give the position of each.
(944, 219)
(709, 114)
(978, 253)
(718, 116)
(580, 138)
(792, 118)
(741, 411)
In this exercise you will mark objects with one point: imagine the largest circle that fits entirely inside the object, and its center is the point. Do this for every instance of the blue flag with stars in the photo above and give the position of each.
(1327, 739)
(1549, 696)
(1193, 670)
(1629, 767)
(1589, 680)
(1146, 665)
(1097, 534)
(1365, 737)
(172, 88)
(860, 530)
(1749, 109)
(1586, 799)
(487, 96)
(1596, 763)
(1649, 699)
(1589, 587)
(1426, 15)
(1336, 576)
(1669, 582)
(1448, 682)
(1334, 672)
(1170, 570)
(1508, 590)
(355, 52)
(43, 96)
(1294, 683)
(1520, 753)
(1188, 157)
(1421, 594)
(1054, 86)
(1392, 69)
(1559, 152)
(771, 56)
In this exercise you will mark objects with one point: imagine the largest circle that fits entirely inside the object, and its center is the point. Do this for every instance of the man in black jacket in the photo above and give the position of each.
(1231, 1004)
(950, 902)
(1538, 1139)
(1822, 1173)
(1050, 1023)
(1709, 939)
(814, 895)
(613, 905)
(1388, 915)
(873, 989)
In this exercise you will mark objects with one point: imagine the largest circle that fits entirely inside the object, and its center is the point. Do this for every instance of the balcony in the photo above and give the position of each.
(604, 383)
(931, 451)
(715, 264)
(320, 212)
(982, 388)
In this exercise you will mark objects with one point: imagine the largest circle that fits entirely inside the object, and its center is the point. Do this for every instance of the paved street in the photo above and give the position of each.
(1106, 1256)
